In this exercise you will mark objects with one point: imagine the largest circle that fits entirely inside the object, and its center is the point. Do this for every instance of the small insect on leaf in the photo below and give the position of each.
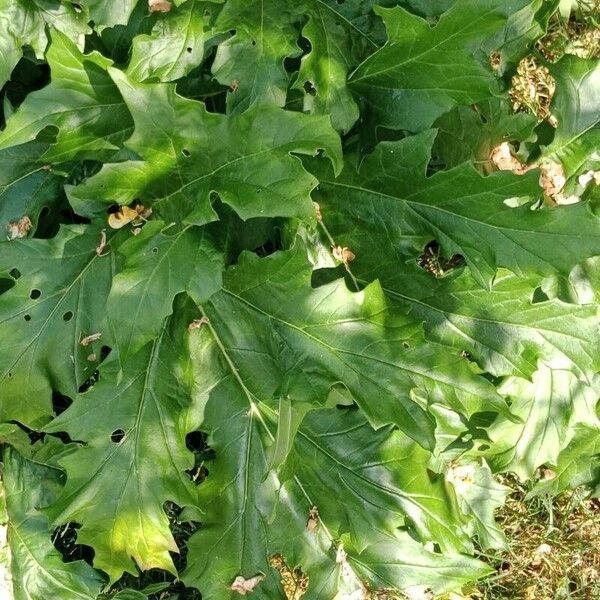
(233, 86)
(294, 581)
(126, 215)
(242, 586)
(88, 339)
(344, 255)
(313, 519)
(162, 6)
(19, 229)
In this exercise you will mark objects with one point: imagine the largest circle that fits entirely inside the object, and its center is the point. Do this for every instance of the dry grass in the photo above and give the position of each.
(573, 37)
(554, 549)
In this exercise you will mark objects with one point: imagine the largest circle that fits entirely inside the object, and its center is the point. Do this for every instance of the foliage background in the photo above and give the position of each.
(288, 288)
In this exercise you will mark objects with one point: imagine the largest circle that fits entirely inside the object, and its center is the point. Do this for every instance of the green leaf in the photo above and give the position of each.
(129, 594)
(356, 478)
(523, 28)
(577, 464)
(25, 23)
(11, 434)
(336, 456)
(479, 494)
(59, 298)
(26, 184)
(576, 105)
(502, 328)
(176, 44)
(81, 101)
(245, 159)
(135, 456)
(422, 71)
(159, 263)
(38, 570)
(337, 45)
(251, 61)
(546, 405)
(282, 348)
(398, 208)
(400, 562)
(108, 14)
(470, 133)
(234, 497)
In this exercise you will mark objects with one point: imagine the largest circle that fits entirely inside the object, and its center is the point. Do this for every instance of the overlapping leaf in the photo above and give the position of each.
(422, 71)
(577, 465)
(392, 206)
(336, 456)
(576, 106)
(503, 328)
(546, 405)
(349, 432)
(109, 14)
(38, 570)
(81, 101)
(58, 298)
(337, 45)
(297, 341)
(251, 62)
(27, 185)
(175, 45)
(471, 133)
(189, 153)
(159, 263)
(135, 457)
(25, 23)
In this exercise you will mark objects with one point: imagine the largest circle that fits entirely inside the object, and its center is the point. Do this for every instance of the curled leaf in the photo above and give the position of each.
(503, 159)
(197, 323)
(344, 255)
(19, 229)
(162, 6)
(318, 211)
(313, 519)
(242, 586)
(88, 339)
(102, 245)
(126, 215)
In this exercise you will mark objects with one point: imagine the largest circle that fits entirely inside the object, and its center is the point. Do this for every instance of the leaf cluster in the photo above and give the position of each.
(282, 274)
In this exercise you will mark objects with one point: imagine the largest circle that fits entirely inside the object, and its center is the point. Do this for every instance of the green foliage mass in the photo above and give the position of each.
(262, 274)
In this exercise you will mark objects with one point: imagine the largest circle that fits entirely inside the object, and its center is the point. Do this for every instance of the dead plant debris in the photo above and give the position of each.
(532, 89)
